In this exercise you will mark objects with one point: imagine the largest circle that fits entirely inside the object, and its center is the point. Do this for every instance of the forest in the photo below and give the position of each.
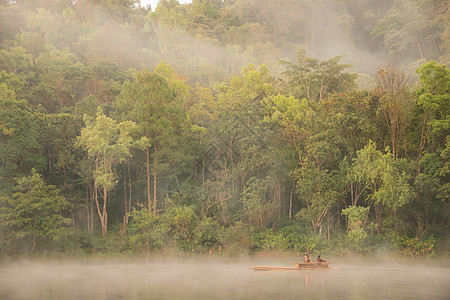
(224, 127)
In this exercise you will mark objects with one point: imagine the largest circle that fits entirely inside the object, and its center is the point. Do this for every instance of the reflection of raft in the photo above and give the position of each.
(297, 266)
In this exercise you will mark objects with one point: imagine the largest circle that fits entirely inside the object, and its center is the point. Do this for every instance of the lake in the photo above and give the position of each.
(222, 278)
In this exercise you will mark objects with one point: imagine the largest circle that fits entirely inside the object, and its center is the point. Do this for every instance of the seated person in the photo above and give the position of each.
(319, 259)
(307, 259)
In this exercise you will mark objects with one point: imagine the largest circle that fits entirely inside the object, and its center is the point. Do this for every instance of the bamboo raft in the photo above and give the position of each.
(297, 266)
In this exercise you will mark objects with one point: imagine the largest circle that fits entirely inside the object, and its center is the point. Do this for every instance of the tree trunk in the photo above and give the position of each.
(101, 212)
(378, 217)
(104, 215)
(149, 202)
(328, 226)
(290, 201)
(125, 211)
(91, 215)
(422, 138)
(155, 177)
(203, 173)
(129, 188)
(88, 215)
(34, 243)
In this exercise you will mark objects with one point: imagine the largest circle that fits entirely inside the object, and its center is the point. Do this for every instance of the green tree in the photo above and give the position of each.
(434, 99)
(104, 80)
(357, 225)
(63, 74)
(405, 30)
(20, 136)
(33, 214)
(181, 222)
(16, 60)
(354, 118)
(158, 107)
(143, 231)
(380, 181)
(108, 144)
(313, 79)
(256, 209)
(293, 118)
(244, 144)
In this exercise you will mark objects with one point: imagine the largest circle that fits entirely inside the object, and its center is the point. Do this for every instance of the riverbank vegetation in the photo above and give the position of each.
(224, 127)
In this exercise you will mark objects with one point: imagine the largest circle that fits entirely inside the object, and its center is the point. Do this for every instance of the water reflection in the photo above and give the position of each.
(220, 279)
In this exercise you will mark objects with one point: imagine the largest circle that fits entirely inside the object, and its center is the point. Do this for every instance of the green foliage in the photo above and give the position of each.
(108, 144)
(268, 240)
(21, 133)
(253, 202)
(417, 247)
(354, 118)
(155, 101)
(313, 79)
(384, 182)
(143, 230)
(237, 239)
(434, 99)
(33, 215)
(181, 223)
(296, 238)
(404, 28)
(178, 227)
(357, 218)
(207, 235)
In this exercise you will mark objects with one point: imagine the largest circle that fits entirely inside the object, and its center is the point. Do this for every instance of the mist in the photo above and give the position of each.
(222, 278)
(265, 32)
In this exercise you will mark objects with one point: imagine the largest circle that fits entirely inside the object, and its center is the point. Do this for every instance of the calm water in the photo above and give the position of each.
(222, 279)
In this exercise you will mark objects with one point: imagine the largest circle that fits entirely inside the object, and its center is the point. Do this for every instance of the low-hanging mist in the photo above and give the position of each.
(221, 279)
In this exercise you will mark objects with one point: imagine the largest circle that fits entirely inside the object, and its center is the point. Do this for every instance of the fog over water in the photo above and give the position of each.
(208, 278)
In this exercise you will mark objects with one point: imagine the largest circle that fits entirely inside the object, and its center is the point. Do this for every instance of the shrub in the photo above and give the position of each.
(206, 235)
(236, 239)
(416, 247)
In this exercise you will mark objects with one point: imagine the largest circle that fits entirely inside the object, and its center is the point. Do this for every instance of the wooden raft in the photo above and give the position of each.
(297, 266)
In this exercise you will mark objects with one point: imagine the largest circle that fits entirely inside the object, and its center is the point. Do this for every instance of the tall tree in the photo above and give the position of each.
(383, 182)
(395, 103)
(406, 30)
(20, 135)
(108, 144)
(244, 158)
(157, 107)
(434, 99)
(293, 118)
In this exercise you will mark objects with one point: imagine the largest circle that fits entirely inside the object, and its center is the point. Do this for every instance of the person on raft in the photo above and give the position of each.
(319, 259)
(307, 259)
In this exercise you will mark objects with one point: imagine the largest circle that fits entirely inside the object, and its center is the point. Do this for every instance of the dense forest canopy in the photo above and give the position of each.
(240, 126)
